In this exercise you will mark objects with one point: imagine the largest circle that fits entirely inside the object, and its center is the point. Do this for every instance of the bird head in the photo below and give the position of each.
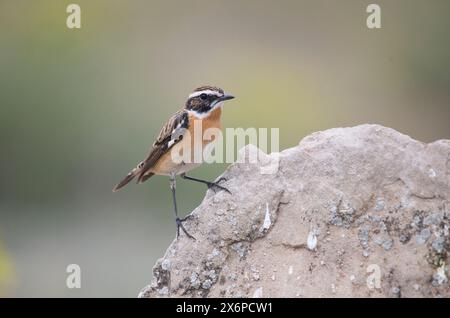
(205, 99)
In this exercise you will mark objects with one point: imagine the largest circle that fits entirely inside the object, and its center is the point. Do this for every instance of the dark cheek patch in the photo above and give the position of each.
(200, 106)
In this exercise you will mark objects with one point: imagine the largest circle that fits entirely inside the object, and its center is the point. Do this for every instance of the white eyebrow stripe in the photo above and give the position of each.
(206, 91)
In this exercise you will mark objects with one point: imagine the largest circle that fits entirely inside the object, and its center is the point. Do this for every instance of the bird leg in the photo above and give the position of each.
(178, 221)
(211, 185)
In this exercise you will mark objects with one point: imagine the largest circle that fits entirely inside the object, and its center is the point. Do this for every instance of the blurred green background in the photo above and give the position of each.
(79, 108)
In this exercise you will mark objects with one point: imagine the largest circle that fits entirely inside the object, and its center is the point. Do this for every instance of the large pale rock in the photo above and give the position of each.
(351, 212)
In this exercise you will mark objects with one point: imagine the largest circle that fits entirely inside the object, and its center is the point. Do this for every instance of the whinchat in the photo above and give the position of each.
(204, 104)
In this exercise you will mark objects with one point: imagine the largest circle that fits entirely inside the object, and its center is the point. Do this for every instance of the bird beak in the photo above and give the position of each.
(226, 97)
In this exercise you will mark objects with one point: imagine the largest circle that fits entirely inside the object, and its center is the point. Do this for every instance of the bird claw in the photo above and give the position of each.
(215, 185)
(221, 179)
(180, 225)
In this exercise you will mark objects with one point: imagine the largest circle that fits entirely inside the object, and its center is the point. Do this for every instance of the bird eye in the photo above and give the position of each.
(203, 96)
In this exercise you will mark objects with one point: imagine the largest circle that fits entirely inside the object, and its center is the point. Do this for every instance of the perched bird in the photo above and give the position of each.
(204, 104)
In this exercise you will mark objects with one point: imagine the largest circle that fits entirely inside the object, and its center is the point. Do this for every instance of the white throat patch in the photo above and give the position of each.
(206, 114)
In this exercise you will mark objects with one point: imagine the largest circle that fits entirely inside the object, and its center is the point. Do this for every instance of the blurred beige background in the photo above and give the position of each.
(78, 108)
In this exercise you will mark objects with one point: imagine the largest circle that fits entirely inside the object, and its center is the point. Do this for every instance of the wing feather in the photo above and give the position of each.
(171, 133)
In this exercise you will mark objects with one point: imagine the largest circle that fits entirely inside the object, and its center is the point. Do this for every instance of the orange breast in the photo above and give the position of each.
(212, 121)
(166, 166)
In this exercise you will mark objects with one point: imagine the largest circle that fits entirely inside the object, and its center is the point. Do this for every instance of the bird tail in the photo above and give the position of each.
(145, 177)
(130, 176)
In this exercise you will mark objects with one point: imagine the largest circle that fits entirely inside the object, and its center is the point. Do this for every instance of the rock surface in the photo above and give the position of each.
(350, 212)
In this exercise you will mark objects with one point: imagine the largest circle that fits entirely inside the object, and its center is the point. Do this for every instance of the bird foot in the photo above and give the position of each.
(180, 225)
(215, 185)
